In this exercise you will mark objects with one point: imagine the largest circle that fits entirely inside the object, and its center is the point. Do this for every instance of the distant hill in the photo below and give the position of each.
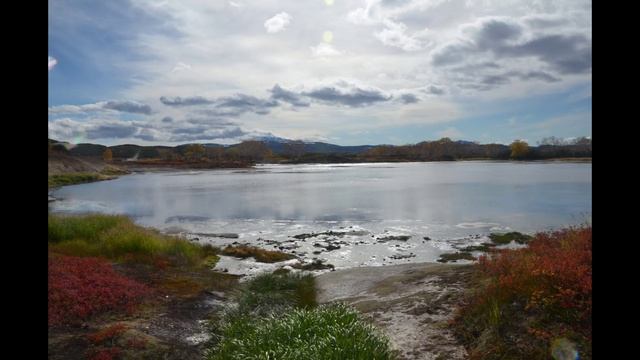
(275, 149)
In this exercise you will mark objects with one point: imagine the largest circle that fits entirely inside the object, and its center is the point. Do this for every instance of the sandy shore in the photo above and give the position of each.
(411, 303)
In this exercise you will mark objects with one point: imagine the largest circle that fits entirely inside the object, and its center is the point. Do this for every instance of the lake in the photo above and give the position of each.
(450, 203)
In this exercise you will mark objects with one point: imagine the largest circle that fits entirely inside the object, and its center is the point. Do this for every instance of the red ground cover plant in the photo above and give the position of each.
(108, 333)
(105, 354)
(82, 287)
(543, 291)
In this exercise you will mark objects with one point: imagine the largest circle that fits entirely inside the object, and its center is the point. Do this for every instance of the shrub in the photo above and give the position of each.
(261, 255)
(105, 354)
(109, 333)
(272, 292)
(118, 238)
(327, 332)
(82, 287)
(531, 297)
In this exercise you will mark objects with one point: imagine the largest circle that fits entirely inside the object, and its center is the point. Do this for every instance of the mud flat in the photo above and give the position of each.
(410, 303)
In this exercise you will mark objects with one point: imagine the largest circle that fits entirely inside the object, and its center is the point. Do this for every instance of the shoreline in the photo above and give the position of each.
(411, 303)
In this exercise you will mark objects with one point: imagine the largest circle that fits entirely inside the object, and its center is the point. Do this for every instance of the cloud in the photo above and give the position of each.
(102, 107)
(180, 66)
(167, 119)
(394, 34)
(324, 50)
(224, 106)
(232, 133)
(128, 106)
(433, 90)
(295, 99)
(342, 92)
(277, 23)
(52, 62)
(409, 98)
(112, 130)
(450, 132)
(501, 39)
(109, 129)
(187, 101)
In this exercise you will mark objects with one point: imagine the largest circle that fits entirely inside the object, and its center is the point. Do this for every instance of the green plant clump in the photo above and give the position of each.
(328, 332)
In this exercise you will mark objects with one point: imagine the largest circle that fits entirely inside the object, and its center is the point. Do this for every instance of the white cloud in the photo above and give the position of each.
(451, 133)
(52, 62)
(180, 66)
(212, 49)
(277, 23)
(324, 50)
(394, 34)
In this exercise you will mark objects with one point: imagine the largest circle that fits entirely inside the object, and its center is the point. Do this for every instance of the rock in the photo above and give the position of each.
(397, 238)
(427, 238)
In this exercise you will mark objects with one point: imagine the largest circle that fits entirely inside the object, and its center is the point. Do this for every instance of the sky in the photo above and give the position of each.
(348, 72)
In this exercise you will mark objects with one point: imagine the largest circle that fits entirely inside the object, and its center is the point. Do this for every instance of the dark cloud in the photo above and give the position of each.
(211, 122)
(568, 54)
(544, 22)
(147, 135)
(347, 94)
(243, 101)
(409, 98)
(167, 119)
(394, 3)
(434, 90)
(111, 131)
(191, 130)
(278, 93)
(128, 106)
(225, 106)
(452, 54)
(493, 33)
(221, 134)
(187, 101)
(538, 75)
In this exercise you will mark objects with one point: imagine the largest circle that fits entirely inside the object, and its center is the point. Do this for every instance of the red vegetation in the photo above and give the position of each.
(529, 298)
(107, 333)
(105, 354)
(82, 287)
(552, 277)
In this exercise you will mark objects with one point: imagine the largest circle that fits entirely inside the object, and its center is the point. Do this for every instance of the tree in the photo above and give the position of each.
(107, 155)
(194, 151)
(252, 149)
(294, 149)
(519, 149)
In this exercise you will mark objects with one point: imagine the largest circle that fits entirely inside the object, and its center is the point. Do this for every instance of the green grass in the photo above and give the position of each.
(261, 255)
(118, 238)
(456, 256)
(327, 332)
(506, 238)
(277, 318)
(268, 292)
(74, 178)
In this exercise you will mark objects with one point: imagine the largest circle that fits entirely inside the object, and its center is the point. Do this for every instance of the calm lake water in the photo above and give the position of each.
(451, 203)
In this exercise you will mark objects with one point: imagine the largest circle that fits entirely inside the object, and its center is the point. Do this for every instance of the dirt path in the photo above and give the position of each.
(411, 303)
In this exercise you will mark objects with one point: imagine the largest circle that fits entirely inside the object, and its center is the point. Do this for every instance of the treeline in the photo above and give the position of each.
(447, 150)
(250, 152)
(193, 155)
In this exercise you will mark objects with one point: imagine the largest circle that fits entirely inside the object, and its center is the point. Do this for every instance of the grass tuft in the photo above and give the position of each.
(502, 239)
(118, 238)
(327, 332)
(261, 255)
(529, 299)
